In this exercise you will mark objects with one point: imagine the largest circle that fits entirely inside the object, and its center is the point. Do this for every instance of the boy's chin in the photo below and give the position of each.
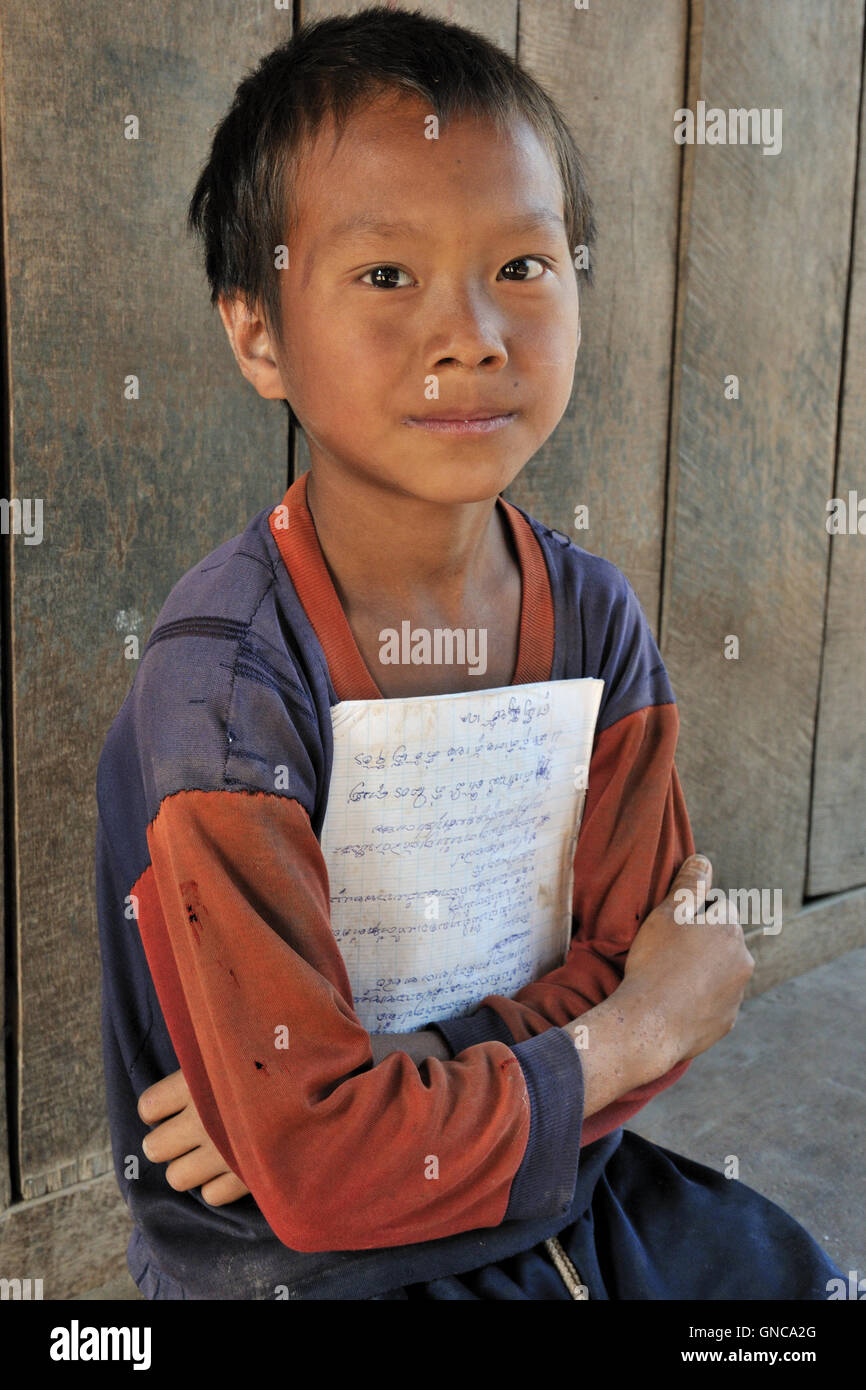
(460, 485)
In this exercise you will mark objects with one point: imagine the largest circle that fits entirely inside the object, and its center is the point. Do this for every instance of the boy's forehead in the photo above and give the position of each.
(385, 158)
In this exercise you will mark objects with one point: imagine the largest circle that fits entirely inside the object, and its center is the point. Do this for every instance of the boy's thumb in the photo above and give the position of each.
(689, 889)
(696, 869)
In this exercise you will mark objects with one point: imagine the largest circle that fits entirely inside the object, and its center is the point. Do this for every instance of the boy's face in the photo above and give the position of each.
(375, 320)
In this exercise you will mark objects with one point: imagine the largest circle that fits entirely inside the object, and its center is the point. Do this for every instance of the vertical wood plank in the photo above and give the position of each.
(617, 72)
(104, 283)
(5, 1183)
(837, 848)
(6, 963)
(765, 274)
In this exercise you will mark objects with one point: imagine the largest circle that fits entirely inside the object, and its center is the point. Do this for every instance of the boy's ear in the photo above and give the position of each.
(251, 345)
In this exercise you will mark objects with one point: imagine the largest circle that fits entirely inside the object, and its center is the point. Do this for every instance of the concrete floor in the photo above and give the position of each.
(786, 1093)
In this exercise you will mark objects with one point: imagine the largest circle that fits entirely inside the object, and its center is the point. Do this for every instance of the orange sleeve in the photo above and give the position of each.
(234, 917)
(634, 835)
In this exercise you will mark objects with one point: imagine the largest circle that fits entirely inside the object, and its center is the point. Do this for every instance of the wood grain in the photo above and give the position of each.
(766, 257)
(837, 846)
(104, 282)
(72, 1240)
(610, 449)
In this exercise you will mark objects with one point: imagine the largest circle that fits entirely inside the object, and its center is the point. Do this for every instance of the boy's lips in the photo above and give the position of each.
(454, 412)
(453, 421)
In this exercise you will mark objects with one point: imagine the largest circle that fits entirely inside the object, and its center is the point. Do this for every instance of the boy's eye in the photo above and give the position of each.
(382, 271)
(525, 260)
(384, 274)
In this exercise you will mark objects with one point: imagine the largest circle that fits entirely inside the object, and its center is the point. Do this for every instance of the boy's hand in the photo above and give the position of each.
(691, 975)
(184, 1144)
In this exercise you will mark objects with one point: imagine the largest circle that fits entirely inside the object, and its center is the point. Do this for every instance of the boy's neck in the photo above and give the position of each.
(385, 550)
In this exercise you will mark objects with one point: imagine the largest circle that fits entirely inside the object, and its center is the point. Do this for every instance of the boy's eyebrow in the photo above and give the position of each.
(362, 223)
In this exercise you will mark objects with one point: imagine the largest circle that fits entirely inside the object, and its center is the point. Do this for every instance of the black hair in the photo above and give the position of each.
(243, 206)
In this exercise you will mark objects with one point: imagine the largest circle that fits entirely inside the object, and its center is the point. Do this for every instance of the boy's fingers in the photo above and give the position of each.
(193, 1169)
(164, 1098)
(173, 1138)
(205, 1168)
(226, 1188)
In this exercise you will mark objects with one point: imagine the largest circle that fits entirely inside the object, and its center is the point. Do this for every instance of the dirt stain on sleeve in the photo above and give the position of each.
(192, 905)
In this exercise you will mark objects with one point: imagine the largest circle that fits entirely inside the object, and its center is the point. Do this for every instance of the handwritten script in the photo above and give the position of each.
(449, 840)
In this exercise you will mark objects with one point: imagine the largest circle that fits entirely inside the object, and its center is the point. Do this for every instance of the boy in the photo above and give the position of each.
(419, 255)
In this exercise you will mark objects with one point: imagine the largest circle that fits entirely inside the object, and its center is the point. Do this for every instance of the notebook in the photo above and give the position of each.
(449, 839)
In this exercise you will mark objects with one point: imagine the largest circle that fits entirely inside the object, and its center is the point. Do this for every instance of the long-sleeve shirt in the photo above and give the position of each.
(215, 935)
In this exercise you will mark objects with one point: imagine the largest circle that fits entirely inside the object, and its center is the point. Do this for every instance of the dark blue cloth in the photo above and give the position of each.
(659, 1226)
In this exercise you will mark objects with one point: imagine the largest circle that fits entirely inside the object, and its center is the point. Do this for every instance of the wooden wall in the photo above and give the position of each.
(711, 261)
(101, 282)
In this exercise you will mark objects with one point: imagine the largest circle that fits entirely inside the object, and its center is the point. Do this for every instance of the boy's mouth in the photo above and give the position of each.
(456, 422)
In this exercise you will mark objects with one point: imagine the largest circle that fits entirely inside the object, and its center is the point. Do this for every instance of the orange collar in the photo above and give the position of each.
(294, 531)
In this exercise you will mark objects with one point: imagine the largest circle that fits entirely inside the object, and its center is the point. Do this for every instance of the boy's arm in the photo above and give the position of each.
(233, 911)
(234, 917)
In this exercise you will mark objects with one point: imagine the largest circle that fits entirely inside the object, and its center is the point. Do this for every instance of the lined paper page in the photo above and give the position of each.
(449, 839)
